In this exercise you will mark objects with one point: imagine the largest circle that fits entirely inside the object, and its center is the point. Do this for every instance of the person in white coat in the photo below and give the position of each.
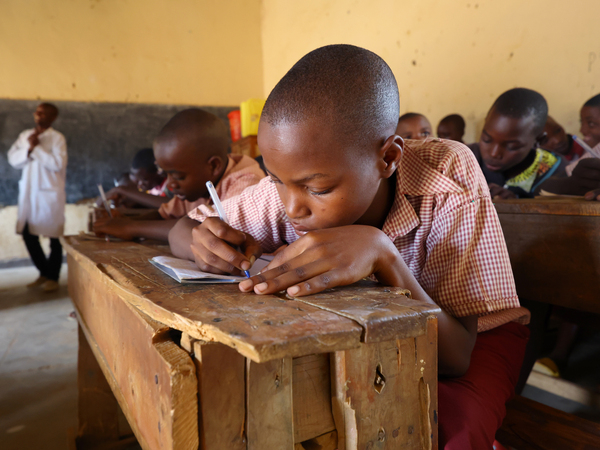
(41, 153)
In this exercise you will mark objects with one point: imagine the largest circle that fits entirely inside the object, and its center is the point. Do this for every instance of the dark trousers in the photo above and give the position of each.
(48, 267)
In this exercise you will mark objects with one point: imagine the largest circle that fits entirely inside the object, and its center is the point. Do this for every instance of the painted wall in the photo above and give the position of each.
(201, 52)
(452, 56)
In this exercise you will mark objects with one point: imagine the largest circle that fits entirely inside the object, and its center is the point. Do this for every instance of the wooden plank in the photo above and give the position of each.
(384, 312)
(530, 425)
(565, 389)
(548, 206)
(221, 391)
(555, 259)
(311, 382)
(151, 377)
(270, 421)
(259, 327)
(385, 394)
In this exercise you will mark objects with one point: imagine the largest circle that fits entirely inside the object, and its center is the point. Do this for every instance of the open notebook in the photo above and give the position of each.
(186, 271)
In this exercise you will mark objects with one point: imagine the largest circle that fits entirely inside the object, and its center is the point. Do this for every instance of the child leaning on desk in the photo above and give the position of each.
(508, 150)
(352, 199)
(191, 149)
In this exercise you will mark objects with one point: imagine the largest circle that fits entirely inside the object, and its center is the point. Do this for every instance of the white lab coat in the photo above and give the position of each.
(42, 194)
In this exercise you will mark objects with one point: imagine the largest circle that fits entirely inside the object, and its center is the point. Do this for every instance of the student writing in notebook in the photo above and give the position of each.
(148, 187)
(352, 199)
(191, 149)
(508, 150)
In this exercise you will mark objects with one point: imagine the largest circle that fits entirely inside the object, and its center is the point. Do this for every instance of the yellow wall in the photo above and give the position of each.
(203, 52)
(452, 56)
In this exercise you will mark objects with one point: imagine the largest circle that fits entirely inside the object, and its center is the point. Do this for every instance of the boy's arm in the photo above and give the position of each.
(125, 228)
(55, 159)
(148, 200)
(180, 238)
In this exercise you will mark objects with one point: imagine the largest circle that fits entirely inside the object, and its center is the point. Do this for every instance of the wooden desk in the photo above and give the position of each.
(554, 248)
(351, 368)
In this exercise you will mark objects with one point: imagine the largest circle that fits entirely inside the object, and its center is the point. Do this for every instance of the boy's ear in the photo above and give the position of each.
(391, 154)
(541, 139)
(216, 164)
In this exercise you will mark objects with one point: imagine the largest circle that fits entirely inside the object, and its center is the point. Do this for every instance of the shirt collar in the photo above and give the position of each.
(414, 177)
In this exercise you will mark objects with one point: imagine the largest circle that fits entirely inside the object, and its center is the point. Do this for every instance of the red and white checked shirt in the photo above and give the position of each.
(442, 222)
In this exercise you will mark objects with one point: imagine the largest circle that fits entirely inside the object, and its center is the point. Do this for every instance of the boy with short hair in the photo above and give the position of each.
(191, 149)
(149, 187)
(508, 150)
(558, 141)
(352, 199)
(41, 153)
(451, 127)
(413, 126)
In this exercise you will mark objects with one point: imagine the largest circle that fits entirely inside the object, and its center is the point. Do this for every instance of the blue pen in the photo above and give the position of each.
(220, 210)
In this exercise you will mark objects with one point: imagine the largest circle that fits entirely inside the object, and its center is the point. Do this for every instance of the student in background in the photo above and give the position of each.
(559, 142)
(508, 150)
(413, 126)
(41, 153)
(191, 149)
(352, 199)
(150, 184)
(451, 127)
(590, 122)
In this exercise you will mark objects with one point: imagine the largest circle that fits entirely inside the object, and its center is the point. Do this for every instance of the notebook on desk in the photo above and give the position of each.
(186, 271)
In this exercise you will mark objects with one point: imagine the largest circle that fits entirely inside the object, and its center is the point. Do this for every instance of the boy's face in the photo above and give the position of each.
(448, 130)
(144, 179)
(557, 140)
(417, 127)
(187, 169)
(43, 116)
(322, 182)
(590, 125)
(506, 141)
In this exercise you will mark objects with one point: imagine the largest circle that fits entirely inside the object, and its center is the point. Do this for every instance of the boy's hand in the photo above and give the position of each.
(328, 258)
(497, 191)
(593, 195)
(114, 226)
(33, 140)
(213, 243)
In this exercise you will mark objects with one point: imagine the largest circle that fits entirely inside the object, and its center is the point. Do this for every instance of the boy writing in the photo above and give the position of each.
(148, 186)
(41, 153)
(508, 152)
(191, 149)
(451, 127)
(413, 126)
(352, 199)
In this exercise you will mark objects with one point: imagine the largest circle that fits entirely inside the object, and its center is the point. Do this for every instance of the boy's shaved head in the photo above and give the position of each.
(520, 103)
(351, 88)
(204, 131)
(594, 102)
(455, 120)
(51, 108)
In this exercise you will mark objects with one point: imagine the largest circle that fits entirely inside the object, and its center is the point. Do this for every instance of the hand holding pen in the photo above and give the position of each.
(222, 214)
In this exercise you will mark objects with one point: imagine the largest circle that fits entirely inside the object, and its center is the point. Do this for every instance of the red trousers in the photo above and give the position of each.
(472, 407)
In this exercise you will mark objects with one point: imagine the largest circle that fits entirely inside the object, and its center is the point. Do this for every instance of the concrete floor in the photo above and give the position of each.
(38, 366)
(38, 363)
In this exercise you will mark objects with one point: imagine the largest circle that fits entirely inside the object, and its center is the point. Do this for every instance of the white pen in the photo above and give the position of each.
(586, 147)
(103, 196)
(219, 207)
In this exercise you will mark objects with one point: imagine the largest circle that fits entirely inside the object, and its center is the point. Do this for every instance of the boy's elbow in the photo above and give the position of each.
(455, 368)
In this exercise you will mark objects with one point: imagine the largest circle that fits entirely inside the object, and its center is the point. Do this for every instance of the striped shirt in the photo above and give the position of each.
(442, 222)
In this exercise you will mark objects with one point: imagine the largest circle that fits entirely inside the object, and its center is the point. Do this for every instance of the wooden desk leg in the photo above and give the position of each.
(385, 394)
(97, 406)
(221, 391)
(270, 418)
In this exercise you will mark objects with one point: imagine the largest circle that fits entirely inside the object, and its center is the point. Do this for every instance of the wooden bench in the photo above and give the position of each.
(350, 368)
(554, 248)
